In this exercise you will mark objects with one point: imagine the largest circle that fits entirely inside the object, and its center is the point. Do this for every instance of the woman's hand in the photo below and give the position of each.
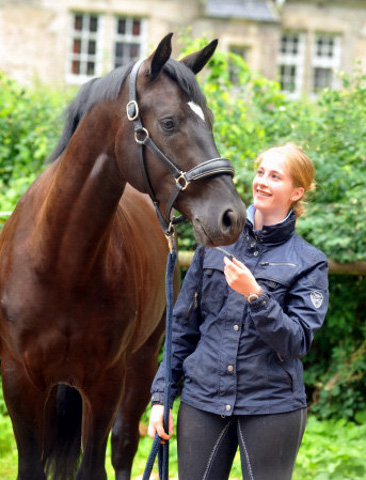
(240, 278)
(156, 423)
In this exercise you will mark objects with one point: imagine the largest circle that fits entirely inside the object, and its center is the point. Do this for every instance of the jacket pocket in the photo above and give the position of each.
(276, 277)
(214, 290)
(285, 373)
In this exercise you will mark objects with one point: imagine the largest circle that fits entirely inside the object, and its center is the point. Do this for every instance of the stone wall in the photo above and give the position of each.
(34, 34)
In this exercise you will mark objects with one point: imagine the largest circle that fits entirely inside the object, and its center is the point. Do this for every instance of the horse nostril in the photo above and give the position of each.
(228, 219)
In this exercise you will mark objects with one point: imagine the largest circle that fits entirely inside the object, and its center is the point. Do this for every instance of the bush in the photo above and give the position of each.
(29, 126)
(332, 131)
(249, 117)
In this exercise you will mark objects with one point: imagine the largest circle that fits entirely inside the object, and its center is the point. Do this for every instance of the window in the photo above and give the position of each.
(129, 40)
(84, 58)
(242, 51)
(290, 44)
(291, 62)
(325, 61)
(288, 78)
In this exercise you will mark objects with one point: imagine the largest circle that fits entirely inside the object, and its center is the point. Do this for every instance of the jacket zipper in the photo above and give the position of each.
(284, 369)
(278, 264)
(193, 305)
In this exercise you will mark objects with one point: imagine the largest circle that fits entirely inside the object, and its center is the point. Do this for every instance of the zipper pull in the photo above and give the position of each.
(195, 300)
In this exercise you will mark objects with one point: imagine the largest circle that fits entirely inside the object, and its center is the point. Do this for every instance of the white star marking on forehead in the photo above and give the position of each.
(197, 110)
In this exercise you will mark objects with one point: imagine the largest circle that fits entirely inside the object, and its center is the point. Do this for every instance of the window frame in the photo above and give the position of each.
(128, 38)
(329, 63)
(85, 35)
(290, 59)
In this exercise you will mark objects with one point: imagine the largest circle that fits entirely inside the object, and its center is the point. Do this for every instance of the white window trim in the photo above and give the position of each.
(78, 79)
(297, 60)
(333, 62)
(128, 37)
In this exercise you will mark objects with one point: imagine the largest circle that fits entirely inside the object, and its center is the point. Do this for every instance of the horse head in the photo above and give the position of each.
(180, 165)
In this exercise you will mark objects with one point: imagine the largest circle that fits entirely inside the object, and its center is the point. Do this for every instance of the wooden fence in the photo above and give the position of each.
(185, 258)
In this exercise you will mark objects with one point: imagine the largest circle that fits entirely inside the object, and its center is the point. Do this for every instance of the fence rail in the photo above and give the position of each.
(185, 258)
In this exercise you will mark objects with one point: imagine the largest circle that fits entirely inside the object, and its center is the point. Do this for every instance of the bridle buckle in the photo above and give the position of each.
(132, 104)
(182, 181)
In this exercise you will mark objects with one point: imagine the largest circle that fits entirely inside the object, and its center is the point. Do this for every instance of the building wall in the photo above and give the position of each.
(35, 34)
(346, 19)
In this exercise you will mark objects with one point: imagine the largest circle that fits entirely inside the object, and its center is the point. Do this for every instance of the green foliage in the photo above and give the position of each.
(29, 127)
(254, 115)
(336, 366)
(337, 219)
(332, 451)
(250, 116)
(332, 130)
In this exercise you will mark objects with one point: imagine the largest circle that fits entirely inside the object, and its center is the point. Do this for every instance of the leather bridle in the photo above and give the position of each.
(208, 168)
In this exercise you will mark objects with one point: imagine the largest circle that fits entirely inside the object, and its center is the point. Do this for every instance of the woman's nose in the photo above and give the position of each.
(263, 180)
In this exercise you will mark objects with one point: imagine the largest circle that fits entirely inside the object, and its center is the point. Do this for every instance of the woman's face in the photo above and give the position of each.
(273, 188)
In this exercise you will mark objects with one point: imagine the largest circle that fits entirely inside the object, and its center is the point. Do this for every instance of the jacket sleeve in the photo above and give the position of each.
(186, 329)
(290, 330)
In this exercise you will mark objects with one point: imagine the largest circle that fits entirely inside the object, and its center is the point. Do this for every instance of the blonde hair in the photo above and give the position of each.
(301, 170)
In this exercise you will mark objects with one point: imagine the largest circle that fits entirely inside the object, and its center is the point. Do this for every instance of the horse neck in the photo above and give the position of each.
(82, 199)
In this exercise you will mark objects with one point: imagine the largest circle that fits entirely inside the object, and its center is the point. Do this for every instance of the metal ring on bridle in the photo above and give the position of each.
(138, 132)
(134, 104)
(211, 167)
(182, 181)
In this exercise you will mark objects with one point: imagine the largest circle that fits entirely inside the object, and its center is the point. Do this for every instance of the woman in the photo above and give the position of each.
(240, 326)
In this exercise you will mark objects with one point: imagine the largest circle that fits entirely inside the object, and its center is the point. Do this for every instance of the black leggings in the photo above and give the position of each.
(207, 444)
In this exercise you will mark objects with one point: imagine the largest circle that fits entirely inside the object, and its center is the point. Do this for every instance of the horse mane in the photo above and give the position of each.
(108, 88)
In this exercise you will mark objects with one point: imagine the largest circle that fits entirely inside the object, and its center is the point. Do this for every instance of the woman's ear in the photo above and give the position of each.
(297, 194)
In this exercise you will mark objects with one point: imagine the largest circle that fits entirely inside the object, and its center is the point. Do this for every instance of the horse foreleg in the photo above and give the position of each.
(141, 369)
(100, 403)
(26, 408)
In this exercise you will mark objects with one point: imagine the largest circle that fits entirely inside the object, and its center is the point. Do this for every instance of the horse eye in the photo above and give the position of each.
(167, 125)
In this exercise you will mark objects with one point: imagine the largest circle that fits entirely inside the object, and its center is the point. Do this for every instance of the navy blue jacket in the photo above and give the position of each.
(243, 358)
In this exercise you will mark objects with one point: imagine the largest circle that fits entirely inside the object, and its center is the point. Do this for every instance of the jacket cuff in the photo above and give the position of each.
(261, 302)
(157, 398)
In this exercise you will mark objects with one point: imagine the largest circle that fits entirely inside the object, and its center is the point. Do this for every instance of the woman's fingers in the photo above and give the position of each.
(156, 423)
(239, 277)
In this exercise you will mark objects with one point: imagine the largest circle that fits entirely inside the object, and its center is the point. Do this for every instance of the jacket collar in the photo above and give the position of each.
(272, 234)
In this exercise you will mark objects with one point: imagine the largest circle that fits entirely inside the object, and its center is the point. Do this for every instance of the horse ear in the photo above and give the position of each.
(161, 55)
(196, 61)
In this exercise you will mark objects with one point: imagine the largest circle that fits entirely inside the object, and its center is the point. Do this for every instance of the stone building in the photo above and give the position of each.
(300, 43)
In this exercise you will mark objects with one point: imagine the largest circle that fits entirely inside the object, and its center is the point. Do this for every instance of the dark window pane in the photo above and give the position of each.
(75, 67)
(90, 68)
(121, 26)
(295, 45)
(136, 27)
(134, 51)
(92, 47)
(93, 26)
(322, 78)
(76, 48)
(283, 45)
(78, 22)
(119, 49)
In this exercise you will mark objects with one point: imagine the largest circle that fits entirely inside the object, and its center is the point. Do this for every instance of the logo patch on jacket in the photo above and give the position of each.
(316, 299)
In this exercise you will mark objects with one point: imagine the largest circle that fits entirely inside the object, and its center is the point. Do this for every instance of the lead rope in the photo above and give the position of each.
(159, 449)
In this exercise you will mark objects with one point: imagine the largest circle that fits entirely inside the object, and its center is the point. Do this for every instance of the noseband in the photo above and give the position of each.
(208, 168)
